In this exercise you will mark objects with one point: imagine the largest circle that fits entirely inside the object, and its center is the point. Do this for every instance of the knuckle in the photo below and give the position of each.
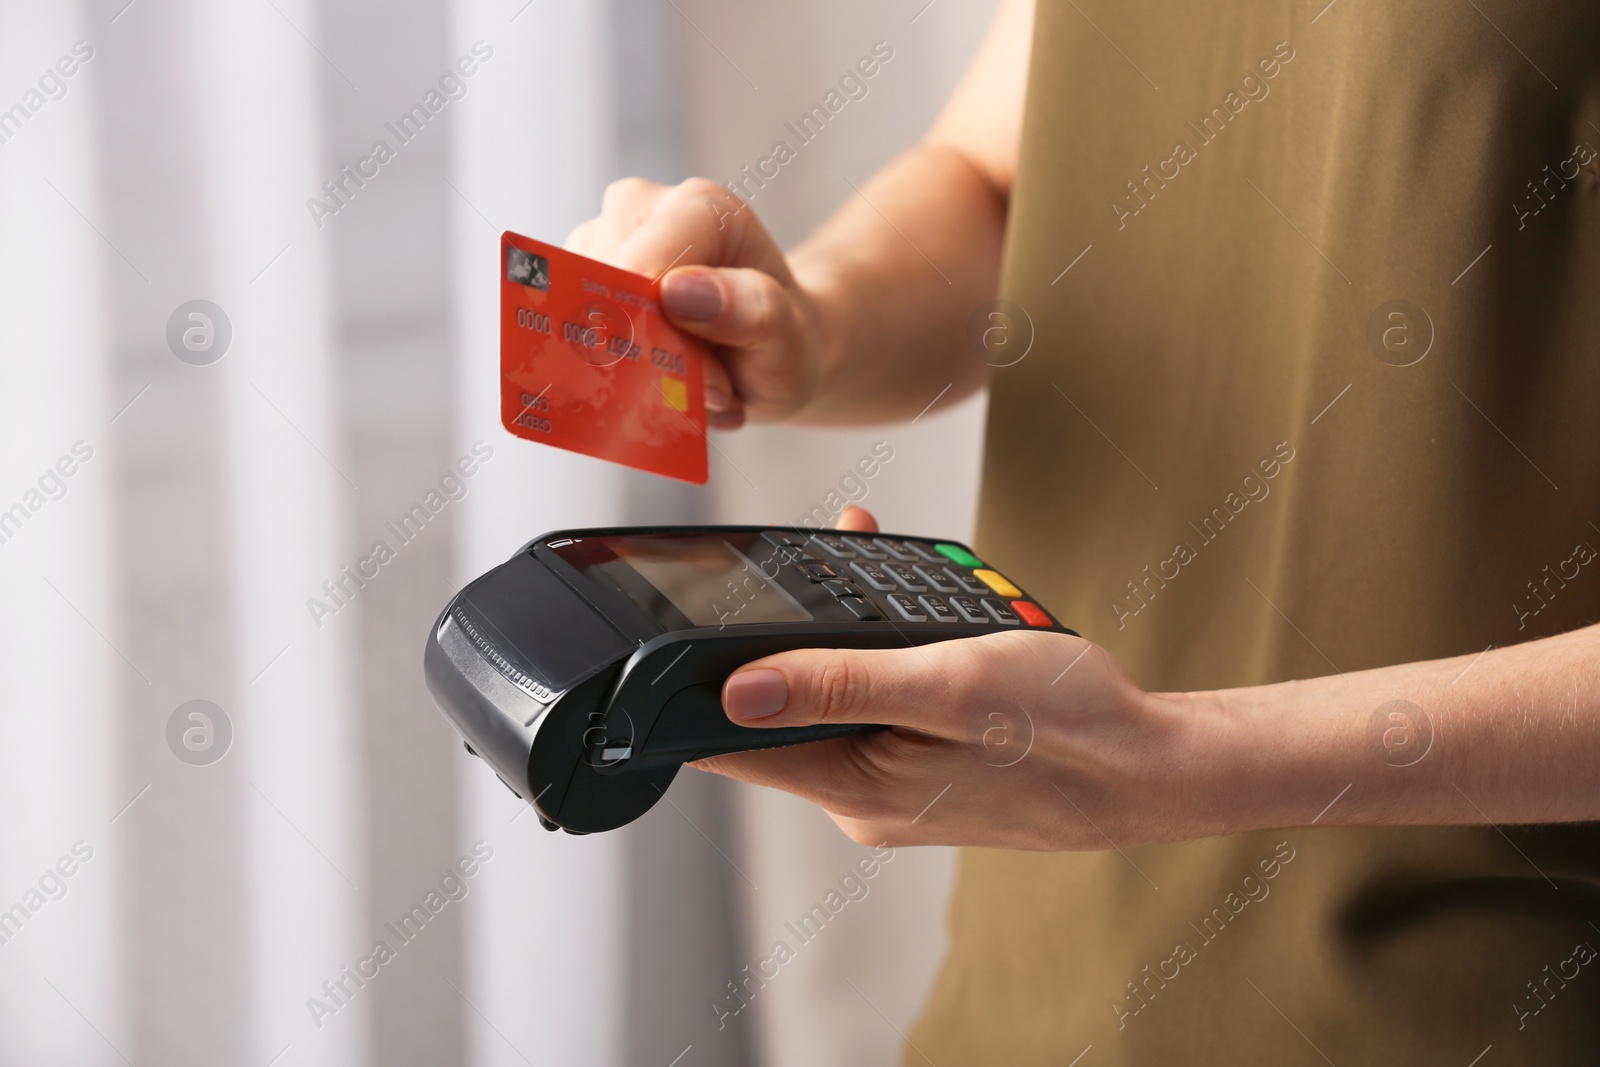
(972, 677)
(766, 307)
(842, 691)
(578, 239)
(772, 306)
(703, 187)
(727, 208)
(624, 192)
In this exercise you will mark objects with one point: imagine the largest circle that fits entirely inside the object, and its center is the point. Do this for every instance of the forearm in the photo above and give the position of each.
(1511, 736)
(896, 273)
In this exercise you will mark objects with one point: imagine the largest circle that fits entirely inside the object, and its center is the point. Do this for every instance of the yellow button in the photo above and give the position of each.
(997, 581)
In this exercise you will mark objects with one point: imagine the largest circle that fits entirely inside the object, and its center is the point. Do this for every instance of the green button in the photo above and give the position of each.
(960, 555)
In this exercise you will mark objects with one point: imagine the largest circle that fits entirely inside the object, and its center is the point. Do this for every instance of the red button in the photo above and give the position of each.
(1031, 613)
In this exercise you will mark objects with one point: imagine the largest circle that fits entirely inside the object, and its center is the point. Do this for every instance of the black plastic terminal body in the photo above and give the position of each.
(586, 706)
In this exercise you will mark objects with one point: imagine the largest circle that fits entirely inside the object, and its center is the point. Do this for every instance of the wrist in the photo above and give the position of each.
(1197, 757)
(822, 301)
(1259, 758)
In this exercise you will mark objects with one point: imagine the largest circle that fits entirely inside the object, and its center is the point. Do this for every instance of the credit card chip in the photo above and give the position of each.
(675, 391)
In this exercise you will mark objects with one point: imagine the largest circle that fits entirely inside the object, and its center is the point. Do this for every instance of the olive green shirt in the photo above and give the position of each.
(1313, 293)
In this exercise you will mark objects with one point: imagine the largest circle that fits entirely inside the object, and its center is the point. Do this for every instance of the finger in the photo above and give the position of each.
(719, 387)
(925, 688)
(858, 519)
(731, 419)
(700, 222)
(724, 407)
(798, 769)
(626, 205)
(581, 239)
(879, 777)
(629, 201)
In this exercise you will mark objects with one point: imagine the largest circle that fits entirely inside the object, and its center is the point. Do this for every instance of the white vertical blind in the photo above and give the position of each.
(289, 503)
(533, 147)
(60, 954)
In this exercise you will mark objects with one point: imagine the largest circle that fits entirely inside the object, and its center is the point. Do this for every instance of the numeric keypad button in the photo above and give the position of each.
(872, 576)
(865, 548)
(937, 580)
(834, 546)
(897, 550)
(908, 578)
(909, 609)
(969, 585)
(968, 609)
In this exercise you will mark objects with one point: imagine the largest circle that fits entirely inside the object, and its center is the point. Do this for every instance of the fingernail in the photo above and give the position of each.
(692, 296)
(717, 398)
(754, 694)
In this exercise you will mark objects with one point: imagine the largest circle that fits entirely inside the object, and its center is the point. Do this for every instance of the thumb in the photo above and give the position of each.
(923, 688)
(738, 306)
(859, 520)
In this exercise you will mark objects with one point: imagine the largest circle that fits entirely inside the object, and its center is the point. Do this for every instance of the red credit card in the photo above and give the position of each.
(589, 363)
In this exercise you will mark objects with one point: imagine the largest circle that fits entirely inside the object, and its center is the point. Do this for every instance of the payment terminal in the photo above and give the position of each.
(588, 667)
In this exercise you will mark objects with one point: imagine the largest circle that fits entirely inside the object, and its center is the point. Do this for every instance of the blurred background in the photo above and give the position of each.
(196, 883)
